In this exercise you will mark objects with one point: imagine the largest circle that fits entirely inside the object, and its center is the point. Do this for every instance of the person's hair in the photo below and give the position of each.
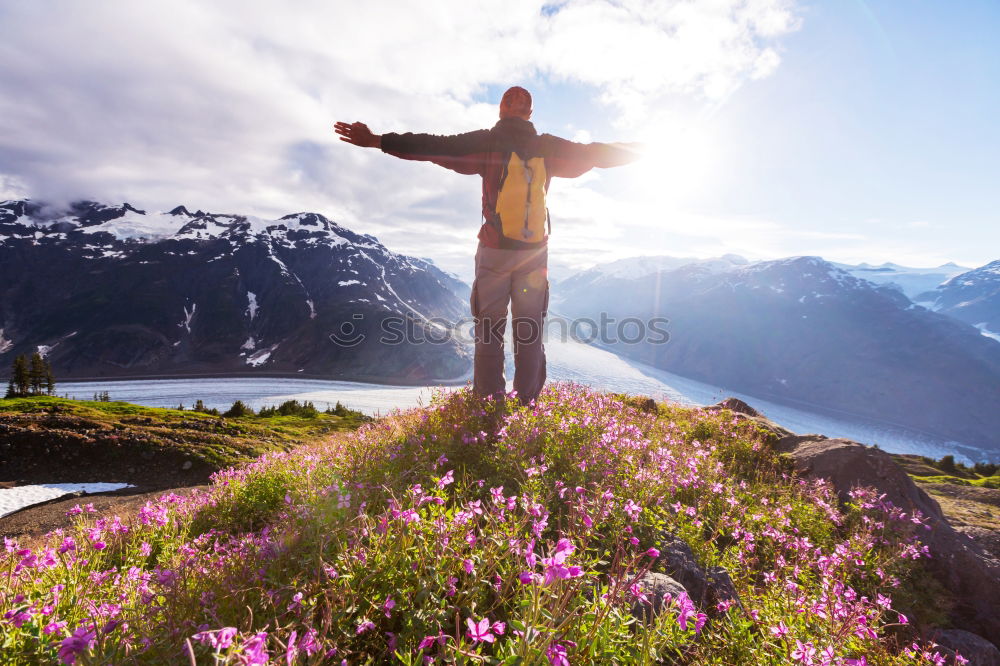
(516, 101)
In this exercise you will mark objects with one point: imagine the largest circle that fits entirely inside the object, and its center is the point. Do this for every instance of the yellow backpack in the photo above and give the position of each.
(521, 200)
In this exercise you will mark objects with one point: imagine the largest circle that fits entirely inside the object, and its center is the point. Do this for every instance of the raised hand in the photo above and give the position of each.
(357, 134)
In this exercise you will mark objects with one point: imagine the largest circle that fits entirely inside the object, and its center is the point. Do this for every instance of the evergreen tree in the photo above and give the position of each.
(239, 408)
(50, 380)
(36, 374)
(20, 376)
(11, 389)
(947, 465)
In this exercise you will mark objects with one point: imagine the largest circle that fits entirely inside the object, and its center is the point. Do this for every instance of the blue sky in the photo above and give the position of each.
(858, 131)
(879, 126)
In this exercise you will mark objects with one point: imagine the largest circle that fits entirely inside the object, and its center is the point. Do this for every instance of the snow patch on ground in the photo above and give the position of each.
(260, 358)
(252, 307)
(348, 283)
(5, 344)
(150, 226)
(15, 499)
(188, 316)
(982, 329)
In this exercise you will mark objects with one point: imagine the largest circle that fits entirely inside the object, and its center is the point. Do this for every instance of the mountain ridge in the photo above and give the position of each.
(209, 293)
(801, 327)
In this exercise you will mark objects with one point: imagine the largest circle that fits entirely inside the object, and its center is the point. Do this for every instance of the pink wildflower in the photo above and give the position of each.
(479, 632)
(82, 641)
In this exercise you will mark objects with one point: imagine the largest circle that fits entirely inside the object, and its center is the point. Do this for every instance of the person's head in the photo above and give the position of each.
(516, 103)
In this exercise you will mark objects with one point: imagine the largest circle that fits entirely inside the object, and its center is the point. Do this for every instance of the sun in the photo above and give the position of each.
(678, 163)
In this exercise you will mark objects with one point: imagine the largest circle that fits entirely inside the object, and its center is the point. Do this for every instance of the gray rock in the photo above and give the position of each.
(656, 586)
(721, 587)
(677, 561)
(745, 412)
(706, 588)
(978, 650)
(186, 466)
(735, 405)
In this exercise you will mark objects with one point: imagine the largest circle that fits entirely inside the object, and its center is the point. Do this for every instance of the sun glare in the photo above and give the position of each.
(677, 162)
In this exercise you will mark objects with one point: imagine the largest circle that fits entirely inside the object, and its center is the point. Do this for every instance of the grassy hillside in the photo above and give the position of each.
(52, 427)
(946, 470)
(421, 538)
(969, 499)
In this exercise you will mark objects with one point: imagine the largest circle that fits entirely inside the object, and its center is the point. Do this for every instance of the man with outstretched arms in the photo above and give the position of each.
(516, 165)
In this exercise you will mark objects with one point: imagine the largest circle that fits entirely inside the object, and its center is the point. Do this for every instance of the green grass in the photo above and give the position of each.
(215, 440)
(981, 482)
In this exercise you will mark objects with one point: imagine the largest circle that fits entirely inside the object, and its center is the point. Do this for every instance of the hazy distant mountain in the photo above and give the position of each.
(972, 297)
(116, 291)
(632, 268)
(805, 332)
(911, 281)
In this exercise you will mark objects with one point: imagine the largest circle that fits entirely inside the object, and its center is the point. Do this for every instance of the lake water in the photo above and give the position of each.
(567, 361)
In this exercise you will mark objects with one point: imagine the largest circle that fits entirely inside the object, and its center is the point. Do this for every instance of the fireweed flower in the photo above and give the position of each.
(779, 631)
(448, 478)
(479, 632)
(308, 642)
(556, 654)
(254, 650)
(803, 652)
(687, 611)
(429, 641)
(81, 642)
(219, 639)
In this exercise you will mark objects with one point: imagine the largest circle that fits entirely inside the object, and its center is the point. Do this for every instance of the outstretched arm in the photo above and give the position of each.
(614, 154)
(568, 159)
(357, 134)
(464, 153)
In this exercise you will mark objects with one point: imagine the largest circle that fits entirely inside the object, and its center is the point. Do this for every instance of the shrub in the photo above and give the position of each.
(290, 408)
(239, 408)
(199, 406)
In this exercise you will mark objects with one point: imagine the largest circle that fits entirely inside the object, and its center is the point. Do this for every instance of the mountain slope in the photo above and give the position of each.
(972, 297)
(113, 291)
(802, 331)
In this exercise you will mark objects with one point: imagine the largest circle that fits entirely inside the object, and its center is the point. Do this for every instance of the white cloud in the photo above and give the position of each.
(228, 105)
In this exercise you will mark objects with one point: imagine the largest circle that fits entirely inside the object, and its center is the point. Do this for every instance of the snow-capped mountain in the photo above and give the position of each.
(116, 291)
(911, 281)
(802, 331)
(972, 297)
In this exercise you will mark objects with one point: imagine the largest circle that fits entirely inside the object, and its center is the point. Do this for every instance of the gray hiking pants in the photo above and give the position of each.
(518, 278)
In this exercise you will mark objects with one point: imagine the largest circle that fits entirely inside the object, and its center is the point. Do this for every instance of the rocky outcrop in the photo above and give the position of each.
(660, 589)
(960, 564)
(967, 570)
(978, 650)
(677, 570)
